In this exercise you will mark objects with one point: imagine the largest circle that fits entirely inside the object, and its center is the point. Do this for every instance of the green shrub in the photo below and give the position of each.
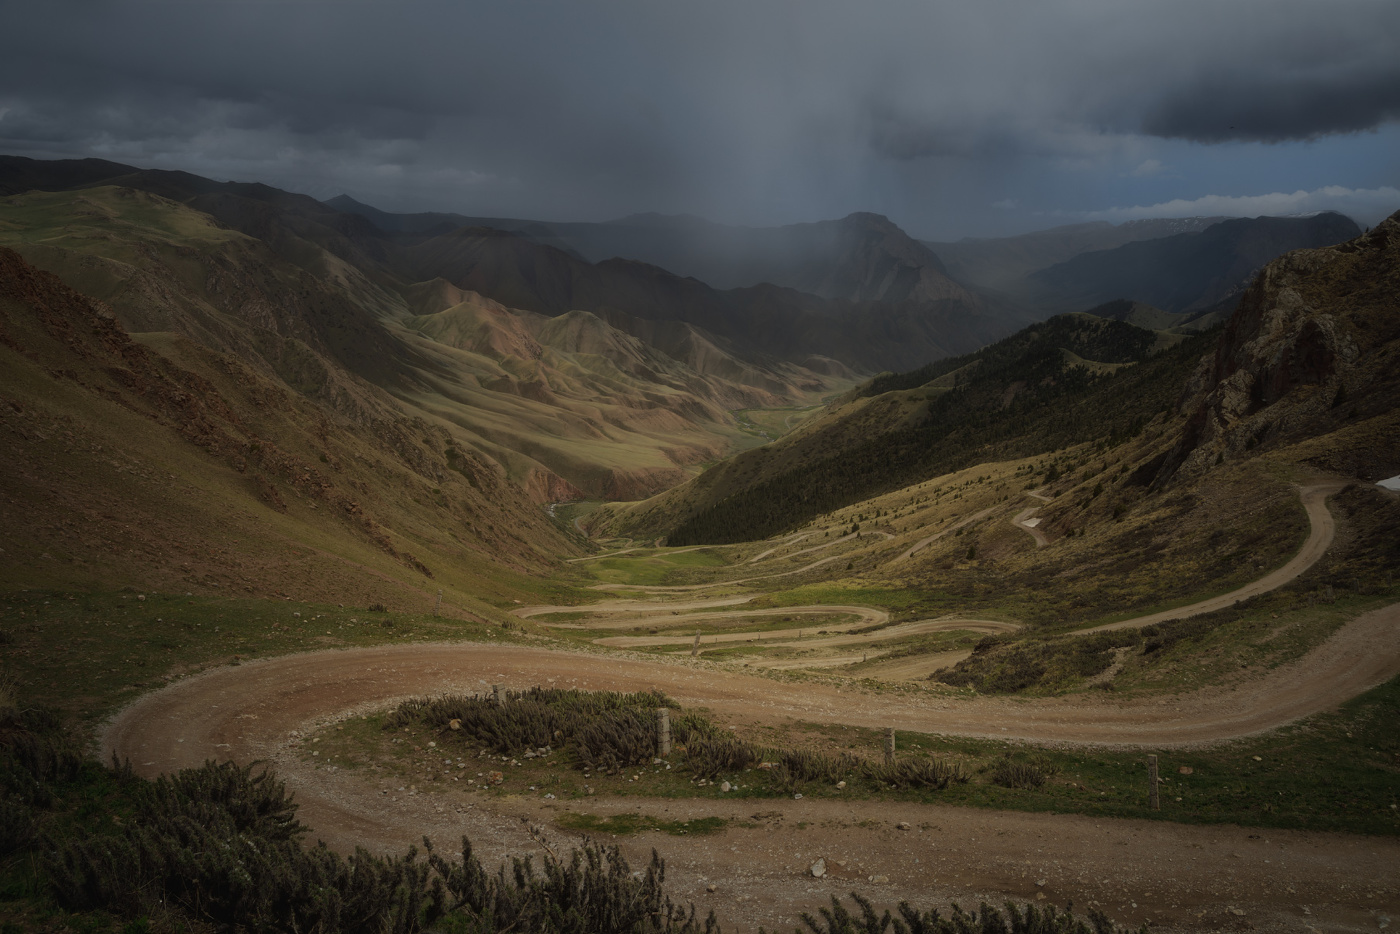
(589, 722)
(987, 920)
(614, 740)
(35, 752)
(915, 773)
(593, 892)
(798, 766)
(707, 757)
(688, 726)
(1012, 774)
(222, 846)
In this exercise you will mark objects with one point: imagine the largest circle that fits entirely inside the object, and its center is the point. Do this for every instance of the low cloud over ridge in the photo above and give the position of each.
(1365, 205)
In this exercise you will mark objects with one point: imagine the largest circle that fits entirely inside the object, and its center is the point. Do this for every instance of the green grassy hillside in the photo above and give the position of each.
(1066, 381)
(573, 408)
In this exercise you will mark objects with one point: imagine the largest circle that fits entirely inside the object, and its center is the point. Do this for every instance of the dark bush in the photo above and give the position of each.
(606, 720)
(708, 757)
(613, 740)
(987, 920)
(19, 825)
(1012, 774)
(915, 773)
(219, 846)
(797, 766)
(36, 751)
(593, 892)
(222, 846)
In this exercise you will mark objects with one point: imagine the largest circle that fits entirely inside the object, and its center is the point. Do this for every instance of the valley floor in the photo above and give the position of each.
(1169, 874)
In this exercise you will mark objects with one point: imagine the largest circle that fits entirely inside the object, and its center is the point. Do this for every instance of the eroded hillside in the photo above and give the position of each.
(602, 413)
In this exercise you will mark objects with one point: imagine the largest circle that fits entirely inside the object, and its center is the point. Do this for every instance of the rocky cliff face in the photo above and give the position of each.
(1311, 348)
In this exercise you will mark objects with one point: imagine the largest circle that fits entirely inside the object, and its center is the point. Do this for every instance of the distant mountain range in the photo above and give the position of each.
(862, 257)
(1188, 264)
(1300, 373)
(1002, 262)
(320, 302)
(229, 387)
(1185, 272)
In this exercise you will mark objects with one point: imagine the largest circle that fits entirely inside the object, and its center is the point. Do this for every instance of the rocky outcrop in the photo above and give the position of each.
(1306, 350)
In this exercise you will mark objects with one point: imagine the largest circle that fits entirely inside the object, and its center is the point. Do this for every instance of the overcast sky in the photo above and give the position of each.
(976, 117)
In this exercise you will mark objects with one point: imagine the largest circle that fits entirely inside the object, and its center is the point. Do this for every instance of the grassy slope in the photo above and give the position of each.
(124, 466)
(574, 421)
(1016, 398)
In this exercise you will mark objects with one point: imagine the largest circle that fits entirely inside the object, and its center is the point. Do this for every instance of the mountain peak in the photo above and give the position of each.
(868, 217)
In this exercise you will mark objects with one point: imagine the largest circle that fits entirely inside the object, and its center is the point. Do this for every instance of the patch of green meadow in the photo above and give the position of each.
(89, 653)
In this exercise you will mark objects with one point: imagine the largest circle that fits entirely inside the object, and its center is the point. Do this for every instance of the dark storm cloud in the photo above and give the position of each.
(757, 110)
(1276, 107)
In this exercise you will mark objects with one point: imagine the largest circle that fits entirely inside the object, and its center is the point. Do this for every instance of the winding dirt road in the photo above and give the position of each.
(1026, 523)
(258, 711)
(923, 543)
(1178, 876)
(835, 635)
(1322, 529)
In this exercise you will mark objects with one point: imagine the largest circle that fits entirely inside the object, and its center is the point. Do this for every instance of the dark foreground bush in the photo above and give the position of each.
(986, 920)
(593, 892)
(220, 845)
(36, 752)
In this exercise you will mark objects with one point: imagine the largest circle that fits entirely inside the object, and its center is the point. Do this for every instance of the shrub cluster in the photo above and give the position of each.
(219, 845)
(604, 730)
(798, 766)
(1012, 774)
(708, 756)
(986, 920)
(793, 768)
(916, 773)
(35, 753)
(594, 891)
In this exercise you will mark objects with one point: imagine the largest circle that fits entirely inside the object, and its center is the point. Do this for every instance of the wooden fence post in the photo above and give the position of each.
(663, 732)
(695, 646)
(437, 605)
(497, 695)
(1152, 799)
(889, 746)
